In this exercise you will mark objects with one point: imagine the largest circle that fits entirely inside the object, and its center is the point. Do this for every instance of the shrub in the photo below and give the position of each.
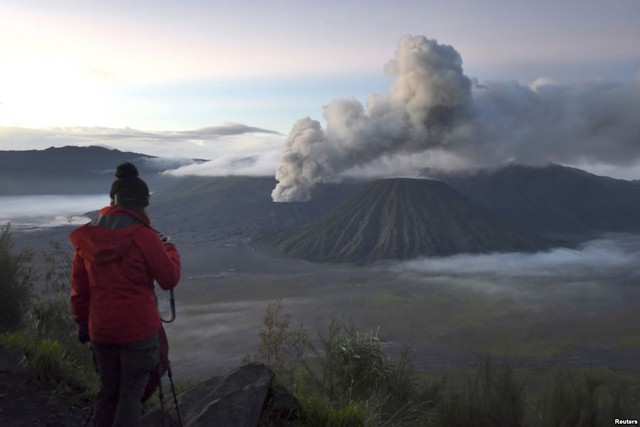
(351, 372)
(280, 348)
(50, 315)
(41, 324)
(16, 278)
(350, 364)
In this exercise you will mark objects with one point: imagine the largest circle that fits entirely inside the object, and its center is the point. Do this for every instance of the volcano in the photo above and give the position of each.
(400, 219)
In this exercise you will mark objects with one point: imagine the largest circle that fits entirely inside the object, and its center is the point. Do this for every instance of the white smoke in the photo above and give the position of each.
(428, 94)
(589, 123)
(433, 108)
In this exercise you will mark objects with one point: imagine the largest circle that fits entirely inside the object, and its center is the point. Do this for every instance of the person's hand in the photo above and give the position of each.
(83, 334)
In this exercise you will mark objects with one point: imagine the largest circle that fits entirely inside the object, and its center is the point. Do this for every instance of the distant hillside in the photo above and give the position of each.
(554, 200)
(200, 208)
(401, 219)
(67, 170)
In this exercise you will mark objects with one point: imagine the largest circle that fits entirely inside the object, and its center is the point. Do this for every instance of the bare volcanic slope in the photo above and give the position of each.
(201, 208)
(401, 219)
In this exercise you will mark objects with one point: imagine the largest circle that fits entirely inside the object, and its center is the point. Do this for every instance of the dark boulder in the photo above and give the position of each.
(281, 409)
(236, 399)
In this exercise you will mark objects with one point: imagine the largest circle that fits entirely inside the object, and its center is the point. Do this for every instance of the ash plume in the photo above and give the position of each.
(433, 108)
(429, 93)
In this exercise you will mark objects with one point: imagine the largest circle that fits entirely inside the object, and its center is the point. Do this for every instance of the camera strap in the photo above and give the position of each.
(172, 304)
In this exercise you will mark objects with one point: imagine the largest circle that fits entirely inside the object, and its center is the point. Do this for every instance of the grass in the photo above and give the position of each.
(44, 329)
(68, 371)
(16, 282)
(349, 380)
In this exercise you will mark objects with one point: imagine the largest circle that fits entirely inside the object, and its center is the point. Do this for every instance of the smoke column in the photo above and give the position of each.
(429, 91)
(432, 106)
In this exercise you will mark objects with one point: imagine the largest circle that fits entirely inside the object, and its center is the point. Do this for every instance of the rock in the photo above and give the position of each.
(281, 409)
(12, 360)
(236, 399)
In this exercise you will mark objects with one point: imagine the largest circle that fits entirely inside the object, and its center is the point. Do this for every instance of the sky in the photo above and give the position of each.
(226, 79)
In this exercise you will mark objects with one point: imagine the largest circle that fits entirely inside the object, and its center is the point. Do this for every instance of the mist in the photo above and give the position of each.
(593, 260)
(433, 110)
(599, 278)
(43, 211)
(563, 302)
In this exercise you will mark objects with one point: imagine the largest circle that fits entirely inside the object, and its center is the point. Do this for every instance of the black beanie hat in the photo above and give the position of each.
(128, 189)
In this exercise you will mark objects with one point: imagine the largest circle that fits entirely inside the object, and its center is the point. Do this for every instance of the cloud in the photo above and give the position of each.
(263, 164)
(225, 130)
(603, 270)
(593, 259)
(207, 133)
(204, 143)
(433, 107)
(165, 163)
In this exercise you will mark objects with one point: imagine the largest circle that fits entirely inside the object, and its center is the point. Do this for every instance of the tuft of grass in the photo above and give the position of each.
(50, 363)
(320, 412)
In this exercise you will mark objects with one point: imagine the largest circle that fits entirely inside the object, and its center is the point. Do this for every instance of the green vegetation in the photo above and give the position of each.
(343, 377)
(280, 348)
(350, 380)
(16, 281)
(40, 323)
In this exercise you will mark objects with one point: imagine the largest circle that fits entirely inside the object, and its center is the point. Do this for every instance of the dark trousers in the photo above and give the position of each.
(124, 371)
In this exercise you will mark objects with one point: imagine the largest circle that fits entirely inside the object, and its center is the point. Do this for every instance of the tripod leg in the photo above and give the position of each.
(90, 418)
(175, 397)
(161, 394)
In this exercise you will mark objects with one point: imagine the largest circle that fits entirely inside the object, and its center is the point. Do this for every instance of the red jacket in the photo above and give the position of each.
(117, 258)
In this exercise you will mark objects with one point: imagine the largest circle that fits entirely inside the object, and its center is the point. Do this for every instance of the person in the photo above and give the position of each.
(117, 258)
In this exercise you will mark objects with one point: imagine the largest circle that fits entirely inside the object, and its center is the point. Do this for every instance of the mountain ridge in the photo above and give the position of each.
(553, 200)
(69, 170)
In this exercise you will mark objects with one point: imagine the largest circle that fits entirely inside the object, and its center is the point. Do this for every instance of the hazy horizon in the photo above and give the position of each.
(50, 210)
(312, 91)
